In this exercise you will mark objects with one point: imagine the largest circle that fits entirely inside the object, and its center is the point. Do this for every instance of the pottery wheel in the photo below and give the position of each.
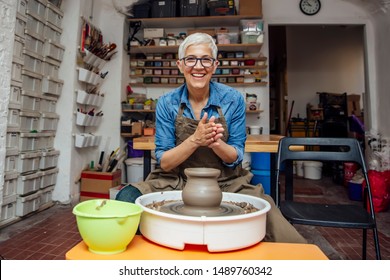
(225, 209)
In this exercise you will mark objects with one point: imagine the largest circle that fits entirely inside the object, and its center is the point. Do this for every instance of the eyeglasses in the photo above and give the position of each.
(191, 61)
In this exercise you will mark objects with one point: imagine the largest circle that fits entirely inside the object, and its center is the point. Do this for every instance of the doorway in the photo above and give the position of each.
(307, 59)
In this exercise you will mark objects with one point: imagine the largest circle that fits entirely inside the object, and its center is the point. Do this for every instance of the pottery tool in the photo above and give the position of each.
(120, 161)
(106, 163)
(101, 158)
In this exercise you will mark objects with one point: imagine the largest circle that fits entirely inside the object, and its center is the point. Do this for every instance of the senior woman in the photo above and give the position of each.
(202, 124)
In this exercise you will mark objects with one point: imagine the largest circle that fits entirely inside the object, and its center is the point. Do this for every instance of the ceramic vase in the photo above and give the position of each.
(202, 189)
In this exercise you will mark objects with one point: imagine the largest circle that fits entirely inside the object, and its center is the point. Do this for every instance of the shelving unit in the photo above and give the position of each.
(173, 49)
(89, 99)
(146, 70)
(31, 159)
(136, 114)
(193, 22)
(153, 67)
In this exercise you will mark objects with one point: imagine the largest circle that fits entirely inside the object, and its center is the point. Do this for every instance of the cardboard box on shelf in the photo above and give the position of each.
(149, 131)
(96, 184)
(251, 8)
(210, 31)
(151, 33)
(136, 128)
(353, 101)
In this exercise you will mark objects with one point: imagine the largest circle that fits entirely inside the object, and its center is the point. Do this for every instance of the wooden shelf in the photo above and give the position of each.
(254, 111)
(137, 111)
(129, 135)
(152, 111)
(262, 58)
(192, 22)
(214, 76)
(173, 49)
(219, 66)
(176, 85)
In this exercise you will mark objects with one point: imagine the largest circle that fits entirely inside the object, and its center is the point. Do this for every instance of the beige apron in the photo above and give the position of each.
(235, 180)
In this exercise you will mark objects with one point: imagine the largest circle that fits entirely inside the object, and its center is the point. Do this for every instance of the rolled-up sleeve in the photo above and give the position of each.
(236, 121)
(165, 127)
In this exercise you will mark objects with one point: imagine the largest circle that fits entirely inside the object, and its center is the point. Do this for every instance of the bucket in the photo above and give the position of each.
(131, 153)
(263, 177)
(312, 170)
(261, 161)
(135, 169)
(299, 168)
(355, 191)
(255, 130)
(350, 169)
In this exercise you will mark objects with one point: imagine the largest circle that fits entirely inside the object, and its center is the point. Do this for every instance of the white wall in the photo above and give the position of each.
(73, 160)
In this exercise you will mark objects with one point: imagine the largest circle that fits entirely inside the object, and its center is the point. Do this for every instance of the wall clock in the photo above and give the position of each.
(310, 7)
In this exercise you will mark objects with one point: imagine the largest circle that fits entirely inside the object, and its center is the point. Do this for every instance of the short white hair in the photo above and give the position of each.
(198, 39)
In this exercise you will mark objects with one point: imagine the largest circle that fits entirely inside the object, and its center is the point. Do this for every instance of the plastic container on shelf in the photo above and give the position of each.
(38, 7)
(166, 8)
(10, 183)
(29, 183)
(18, 47)
(12, 137)
(50, 67)
(48, 104)
(193, 8)
(251, 25)
(30, 100)
(35, 23)
(29, 120)
(252, 37)
(227, 38)
(33, 61)
(52, 85)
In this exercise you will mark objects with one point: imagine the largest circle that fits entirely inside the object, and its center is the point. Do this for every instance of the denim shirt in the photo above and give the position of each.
(227, 98)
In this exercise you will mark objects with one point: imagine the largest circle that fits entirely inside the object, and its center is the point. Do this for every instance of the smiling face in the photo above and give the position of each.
(197, 77)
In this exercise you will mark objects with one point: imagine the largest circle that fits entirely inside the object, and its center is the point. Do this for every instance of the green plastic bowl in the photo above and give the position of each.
(107, 226)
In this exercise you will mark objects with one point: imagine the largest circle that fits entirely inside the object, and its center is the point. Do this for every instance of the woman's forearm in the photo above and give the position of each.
(225, 152)
(177, 155)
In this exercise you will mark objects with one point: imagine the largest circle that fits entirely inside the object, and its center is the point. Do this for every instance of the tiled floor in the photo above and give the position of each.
(48, 235)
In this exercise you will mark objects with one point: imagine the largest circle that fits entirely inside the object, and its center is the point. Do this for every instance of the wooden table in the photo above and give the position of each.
(263, 143)
(142, 249)
(254, 143)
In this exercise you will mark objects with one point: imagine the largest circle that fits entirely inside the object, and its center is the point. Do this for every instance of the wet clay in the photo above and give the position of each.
(202, 196)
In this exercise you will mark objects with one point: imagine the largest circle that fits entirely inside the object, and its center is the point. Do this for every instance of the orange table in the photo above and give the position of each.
(142, 249)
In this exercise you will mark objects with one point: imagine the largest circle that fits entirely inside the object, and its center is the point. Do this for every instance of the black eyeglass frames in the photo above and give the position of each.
(191, 61)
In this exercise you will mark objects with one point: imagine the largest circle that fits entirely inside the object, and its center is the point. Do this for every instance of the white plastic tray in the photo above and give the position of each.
(225, 233)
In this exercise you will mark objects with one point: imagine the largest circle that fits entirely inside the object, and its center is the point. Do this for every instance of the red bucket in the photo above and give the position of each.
(350, 169)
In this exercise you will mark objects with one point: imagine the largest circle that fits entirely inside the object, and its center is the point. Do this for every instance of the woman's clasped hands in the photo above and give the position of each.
(208, 133)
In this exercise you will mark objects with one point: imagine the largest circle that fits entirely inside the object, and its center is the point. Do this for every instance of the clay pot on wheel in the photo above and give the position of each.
(202, 189)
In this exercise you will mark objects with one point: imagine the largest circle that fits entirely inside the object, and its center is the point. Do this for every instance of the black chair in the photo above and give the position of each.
(353, 215)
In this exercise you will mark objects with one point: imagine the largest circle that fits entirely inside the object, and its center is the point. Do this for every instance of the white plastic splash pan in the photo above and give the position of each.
(224, 233)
